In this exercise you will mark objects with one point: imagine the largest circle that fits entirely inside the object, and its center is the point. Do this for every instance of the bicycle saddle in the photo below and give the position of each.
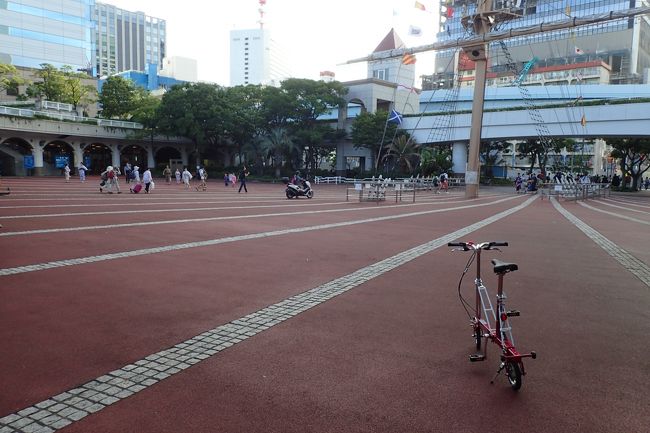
(503, 267)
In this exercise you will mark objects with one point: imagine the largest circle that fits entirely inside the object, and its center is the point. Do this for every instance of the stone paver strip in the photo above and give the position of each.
(629, 262)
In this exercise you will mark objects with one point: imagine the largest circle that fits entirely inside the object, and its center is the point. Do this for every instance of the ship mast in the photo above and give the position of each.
(481, 23)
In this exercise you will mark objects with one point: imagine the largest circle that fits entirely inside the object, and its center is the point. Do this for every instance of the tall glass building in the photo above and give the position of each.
(59, 32)
(623, 45)
(127, 41)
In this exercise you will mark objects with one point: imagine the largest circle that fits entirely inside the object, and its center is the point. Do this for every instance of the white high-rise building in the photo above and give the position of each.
(255, 58)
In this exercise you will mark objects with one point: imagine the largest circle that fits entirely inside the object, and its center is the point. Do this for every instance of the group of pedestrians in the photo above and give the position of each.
(110, 178)
(230, 179)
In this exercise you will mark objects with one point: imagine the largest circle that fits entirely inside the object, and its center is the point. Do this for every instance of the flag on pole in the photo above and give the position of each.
(408, 59)
(567, 10)
(420, 6)
(415, 31)
(395, 117)
(450, 12)
(583, 121)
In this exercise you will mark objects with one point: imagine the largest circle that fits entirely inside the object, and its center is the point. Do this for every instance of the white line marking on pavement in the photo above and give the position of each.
(70, 406)
(220, 218)
(625, 217)
(627, 260)
(197, 244)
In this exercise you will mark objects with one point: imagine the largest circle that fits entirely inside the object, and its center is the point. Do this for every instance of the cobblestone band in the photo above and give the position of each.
(629, 262)
(63, 409)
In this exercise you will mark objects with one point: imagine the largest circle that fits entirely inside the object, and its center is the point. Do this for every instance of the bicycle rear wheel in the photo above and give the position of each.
(513, 372)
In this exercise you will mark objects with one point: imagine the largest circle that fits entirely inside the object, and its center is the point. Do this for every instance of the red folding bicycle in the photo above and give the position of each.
(483, 315)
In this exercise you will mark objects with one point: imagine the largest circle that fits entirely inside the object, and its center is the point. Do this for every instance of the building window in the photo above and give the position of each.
(381, 74)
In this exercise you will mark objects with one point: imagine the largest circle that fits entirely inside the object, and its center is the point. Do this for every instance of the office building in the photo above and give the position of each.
(255, 58)
(620, 49)
(58, 32)
(127, 40)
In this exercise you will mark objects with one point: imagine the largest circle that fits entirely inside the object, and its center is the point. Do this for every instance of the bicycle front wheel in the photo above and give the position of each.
(513, 371)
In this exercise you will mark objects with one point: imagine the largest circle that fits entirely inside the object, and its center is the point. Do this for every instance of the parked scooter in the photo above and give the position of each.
(294, 190)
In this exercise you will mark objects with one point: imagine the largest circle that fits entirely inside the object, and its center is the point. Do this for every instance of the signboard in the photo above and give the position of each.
(61, 161)
(558, 188)
(28, 161)
(357, 186)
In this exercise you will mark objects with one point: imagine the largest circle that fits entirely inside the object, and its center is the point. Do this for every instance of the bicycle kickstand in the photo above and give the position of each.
(501, 367)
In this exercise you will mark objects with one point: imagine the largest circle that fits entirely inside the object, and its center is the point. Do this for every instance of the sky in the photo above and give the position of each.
(316, 35)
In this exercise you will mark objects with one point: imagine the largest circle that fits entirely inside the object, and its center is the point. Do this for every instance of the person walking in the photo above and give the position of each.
(187, 176)
(167, 172)
(66, 173)
(147, 179)
(444, 183)
(178, 176)
(518, 182)
(136, 174)
(127, 172)
(82, 172)
(243, 174)
(203, 176)
(115, 180)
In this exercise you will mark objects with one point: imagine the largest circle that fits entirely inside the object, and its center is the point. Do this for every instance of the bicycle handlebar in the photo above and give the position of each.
(475, 246)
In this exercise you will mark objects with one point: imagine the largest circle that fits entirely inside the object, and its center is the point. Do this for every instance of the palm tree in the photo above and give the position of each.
(276, 144)
(404, 153)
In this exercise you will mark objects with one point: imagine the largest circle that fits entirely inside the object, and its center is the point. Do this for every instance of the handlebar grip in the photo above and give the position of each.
(498, 244)
(456, 244)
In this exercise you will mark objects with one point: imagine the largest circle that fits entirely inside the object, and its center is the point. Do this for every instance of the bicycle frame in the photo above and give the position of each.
(501, 333)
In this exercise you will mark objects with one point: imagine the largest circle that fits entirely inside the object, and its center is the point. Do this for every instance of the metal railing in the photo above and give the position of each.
(574, 191)
(59, 106)
(28, 113)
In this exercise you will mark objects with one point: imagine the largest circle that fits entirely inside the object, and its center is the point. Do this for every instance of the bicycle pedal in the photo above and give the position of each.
(513, 313)
(476, 357)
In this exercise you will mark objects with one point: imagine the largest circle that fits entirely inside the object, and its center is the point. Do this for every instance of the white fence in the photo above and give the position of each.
(23, 112)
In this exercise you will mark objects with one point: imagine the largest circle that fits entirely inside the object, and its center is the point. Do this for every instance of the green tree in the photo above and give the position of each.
(490, 155)
(634, 157)
(276, 143)
(75, 92)
(198, 111)
(308, 100)
(368, 130)
(145, 112)
(9, 78)
(52, 84)
(403, 154)
(243, 120)
(435, 160)
(118, 98)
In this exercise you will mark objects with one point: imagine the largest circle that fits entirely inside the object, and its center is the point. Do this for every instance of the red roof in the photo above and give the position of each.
(390, 42)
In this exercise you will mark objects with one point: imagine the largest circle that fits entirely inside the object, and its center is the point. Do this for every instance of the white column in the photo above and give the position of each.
(151, 162)
(183, 149)
(459, 157)
(115, 155)
(78, 154)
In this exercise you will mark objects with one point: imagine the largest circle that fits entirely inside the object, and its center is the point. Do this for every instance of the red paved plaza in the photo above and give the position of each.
(186, 311)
